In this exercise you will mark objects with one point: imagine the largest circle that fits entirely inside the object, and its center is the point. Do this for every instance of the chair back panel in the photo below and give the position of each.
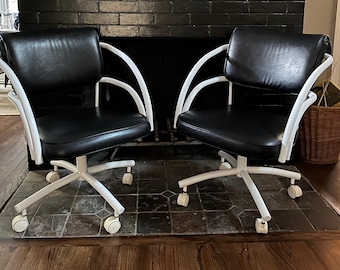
(52, 60)
(273, 60)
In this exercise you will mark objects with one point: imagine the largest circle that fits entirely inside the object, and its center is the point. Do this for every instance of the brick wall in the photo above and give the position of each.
(161, 18)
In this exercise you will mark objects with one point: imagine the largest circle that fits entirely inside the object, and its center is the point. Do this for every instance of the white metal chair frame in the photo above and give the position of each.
(231, 166)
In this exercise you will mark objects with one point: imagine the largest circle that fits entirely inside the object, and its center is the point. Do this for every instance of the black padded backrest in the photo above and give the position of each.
(273, 60)
(53, 59)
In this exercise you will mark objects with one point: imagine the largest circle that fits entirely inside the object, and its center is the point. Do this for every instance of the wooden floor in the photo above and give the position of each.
(273, 251)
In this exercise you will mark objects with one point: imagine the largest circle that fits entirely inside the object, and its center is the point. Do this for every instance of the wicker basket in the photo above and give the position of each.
(319, 135)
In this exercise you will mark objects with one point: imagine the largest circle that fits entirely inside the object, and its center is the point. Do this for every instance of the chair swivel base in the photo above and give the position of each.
(80, 172)
(239, 167)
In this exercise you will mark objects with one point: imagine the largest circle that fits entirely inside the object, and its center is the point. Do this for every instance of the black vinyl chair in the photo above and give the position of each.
(59, 60)
(262, 61)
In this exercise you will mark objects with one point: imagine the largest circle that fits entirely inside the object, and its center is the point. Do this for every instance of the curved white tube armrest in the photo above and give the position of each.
(304, 100)
(20, 100)
(133, 93)
(193, 72)
(197, 89)
(138, 76)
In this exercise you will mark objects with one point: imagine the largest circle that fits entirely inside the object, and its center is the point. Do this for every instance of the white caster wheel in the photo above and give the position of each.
(20, 223)
(183, 199)
(112, 225)
(127, 179)
(261, 226)
(294, 191)
(225, 166)
(52, 177)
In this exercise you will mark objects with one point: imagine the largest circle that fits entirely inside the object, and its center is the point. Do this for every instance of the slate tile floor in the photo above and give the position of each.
(218, 206)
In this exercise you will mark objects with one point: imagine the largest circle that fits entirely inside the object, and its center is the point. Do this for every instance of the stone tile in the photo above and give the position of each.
(323, 219)
(87, 205)
(115, 186)
(151, 169)
(128, 201)
(278, 200)
(195, 204)
(36, 176)
(152, 203)
(311, 200)
(177, 169)
(269, 182)
(46, 226)
(243, 201)
(86, 189)
(202, 166)
(292, 220)
(248, 219)
(221, 222)
(9, 210)
(55, 205)
(152, 186)
(216, 201)
(235, 184)
(188, 223)
(211, 185)
(153, 223)
(82, 225)
(28, 188)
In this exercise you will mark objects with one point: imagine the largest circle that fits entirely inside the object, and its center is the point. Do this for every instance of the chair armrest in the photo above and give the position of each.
(140, 80)
(305, 99)
(133, 93)
(26, 114)
(193, 72)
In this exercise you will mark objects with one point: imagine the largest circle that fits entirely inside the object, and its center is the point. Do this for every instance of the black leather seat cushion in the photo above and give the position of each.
(245, 132)
(77, 132)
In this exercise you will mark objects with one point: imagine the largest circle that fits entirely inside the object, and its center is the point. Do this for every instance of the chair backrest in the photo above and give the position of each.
(54, 59)
(273, 60)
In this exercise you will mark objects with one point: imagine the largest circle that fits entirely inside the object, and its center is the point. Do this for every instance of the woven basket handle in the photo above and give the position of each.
(324, 93)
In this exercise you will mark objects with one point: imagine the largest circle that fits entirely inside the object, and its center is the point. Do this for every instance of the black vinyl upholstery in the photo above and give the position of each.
(83, 131)
(53, 59)
(273, 60)
(248, 133)
(263, 60)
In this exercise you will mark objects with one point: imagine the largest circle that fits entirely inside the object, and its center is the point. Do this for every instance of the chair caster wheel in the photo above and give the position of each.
(52, 177)
(127, 179)
(294, 191)
(225, 166)
(112, 225)
(20, 223)
(183, 199)
(261, 226)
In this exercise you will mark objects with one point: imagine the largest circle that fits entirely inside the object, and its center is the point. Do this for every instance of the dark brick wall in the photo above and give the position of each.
(161, 18)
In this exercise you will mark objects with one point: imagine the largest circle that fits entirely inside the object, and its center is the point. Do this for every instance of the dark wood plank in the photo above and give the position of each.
(177, 252)
(13, 156)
